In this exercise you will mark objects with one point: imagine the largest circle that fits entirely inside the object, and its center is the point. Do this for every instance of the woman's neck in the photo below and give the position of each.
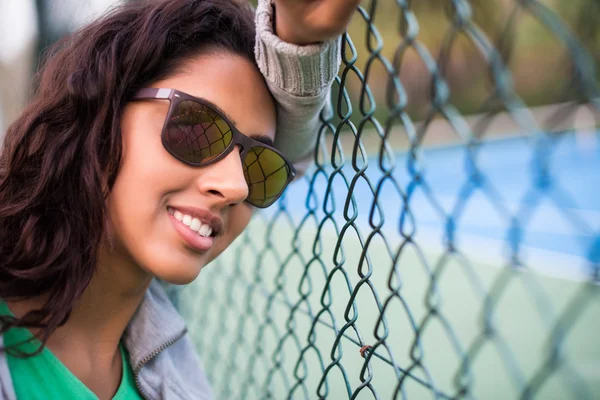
(88, 343)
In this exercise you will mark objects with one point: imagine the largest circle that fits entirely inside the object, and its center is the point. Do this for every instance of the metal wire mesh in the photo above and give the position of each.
(376, 276)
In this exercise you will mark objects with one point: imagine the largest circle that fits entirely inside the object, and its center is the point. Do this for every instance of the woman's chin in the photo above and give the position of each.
(178, 275)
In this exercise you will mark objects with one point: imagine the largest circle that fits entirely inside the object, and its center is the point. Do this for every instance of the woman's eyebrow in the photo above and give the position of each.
(263, 139)
(220, 111)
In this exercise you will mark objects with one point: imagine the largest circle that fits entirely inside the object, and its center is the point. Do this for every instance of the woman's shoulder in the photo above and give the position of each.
(162, 355)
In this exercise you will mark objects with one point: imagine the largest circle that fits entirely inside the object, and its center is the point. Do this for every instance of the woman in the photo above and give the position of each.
(150, 139)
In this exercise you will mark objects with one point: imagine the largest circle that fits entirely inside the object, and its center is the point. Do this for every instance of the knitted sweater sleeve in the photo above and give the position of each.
(299, 78)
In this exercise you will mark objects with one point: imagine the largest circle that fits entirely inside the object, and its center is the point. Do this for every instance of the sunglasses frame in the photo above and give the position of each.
(246, 143)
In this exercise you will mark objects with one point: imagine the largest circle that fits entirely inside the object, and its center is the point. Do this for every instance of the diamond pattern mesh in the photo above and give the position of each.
(429, 254)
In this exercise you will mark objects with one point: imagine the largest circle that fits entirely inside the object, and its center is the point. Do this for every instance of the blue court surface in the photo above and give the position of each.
(538, 197)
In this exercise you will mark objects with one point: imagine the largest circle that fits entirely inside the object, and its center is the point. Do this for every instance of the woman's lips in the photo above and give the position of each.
(190, 237)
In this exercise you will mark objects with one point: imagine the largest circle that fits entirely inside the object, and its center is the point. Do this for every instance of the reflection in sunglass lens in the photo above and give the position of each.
(266, 173)
(195, 133)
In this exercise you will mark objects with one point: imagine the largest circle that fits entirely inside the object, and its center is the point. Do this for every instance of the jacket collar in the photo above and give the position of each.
(155, 325)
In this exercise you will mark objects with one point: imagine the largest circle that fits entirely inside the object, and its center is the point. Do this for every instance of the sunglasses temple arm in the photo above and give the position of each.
(153, 93)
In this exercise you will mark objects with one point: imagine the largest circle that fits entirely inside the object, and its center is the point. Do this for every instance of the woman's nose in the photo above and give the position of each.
(224, 180)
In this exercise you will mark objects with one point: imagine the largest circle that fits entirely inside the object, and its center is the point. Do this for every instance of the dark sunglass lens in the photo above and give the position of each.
(266, 173)
(195, 133)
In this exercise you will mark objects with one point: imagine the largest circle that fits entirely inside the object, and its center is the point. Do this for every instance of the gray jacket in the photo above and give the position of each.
(162, 356)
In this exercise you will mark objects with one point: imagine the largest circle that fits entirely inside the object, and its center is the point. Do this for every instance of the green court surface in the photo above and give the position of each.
(260, 319)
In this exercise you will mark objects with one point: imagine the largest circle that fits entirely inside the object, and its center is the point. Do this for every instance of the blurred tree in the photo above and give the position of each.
(588, 28)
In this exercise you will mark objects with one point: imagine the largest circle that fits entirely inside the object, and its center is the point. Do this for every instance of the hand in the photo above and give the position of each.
(304, 22)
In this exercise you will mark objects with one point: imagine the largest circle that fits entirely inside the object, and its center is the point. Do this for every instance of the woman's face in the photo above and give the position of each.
(152, 184)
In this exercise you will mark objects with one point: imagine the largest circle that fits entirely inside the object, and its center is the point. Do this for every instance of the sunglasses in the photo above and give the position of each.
(198, 135)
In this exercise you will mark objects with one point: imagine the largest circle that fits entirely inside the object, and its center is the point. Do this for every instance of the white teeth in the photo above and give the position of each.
(178, 216)
(195, 225)
(203, 231)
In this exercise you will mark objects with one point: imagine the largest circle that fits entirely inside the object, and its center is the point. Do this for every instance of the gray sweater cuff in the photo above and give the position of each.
(302, 71)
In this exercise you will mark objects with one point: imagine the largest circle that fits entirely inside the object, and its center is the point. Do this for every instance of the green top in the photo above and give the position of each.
(45, 377)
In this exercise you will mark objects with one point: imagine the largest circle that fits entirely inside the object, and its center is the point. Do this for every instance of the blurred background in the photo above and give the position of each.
(451, 220)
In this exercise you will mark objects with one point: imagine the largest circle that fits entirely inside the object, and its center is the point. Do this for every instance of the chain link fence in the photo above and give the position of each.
(454, 257)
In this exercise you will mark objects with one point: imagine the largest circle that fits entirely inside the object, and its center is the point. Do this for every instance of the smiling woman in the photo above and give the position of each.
(154, 133)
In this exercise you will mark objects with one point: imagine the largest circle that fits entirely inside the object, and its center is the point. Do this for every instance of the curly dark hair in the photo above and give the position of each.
(62, 155)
